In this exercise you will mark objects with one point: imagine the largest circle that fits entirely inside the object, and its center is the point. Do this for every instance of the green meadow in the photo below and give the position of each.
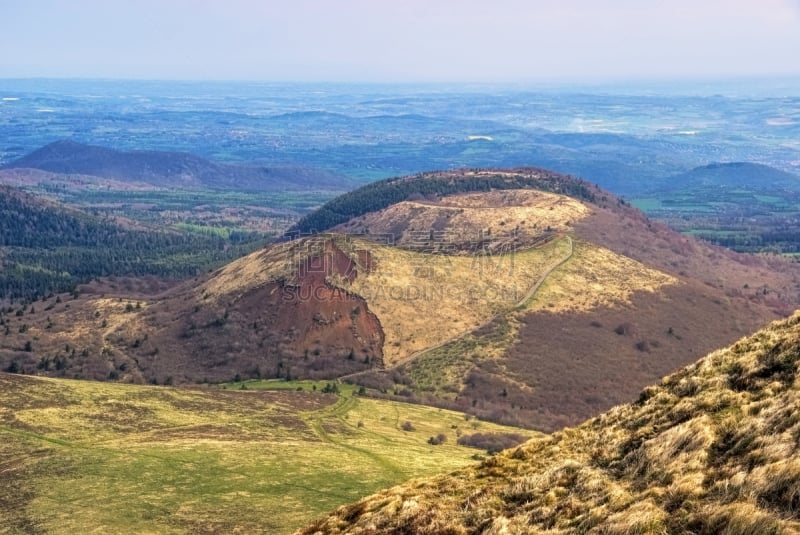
(266, 457)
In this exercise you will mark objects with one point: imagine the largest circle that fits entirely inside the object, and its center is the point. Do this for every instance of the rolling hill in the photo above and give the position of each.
(173, 169)
(747, 175)
(744, 206)
(520, 296)
(711, 449)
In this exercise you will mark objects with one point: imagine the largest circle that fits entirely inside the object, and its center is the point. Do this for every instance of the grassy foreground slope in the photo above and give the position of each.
(86, 457)
(712, 449)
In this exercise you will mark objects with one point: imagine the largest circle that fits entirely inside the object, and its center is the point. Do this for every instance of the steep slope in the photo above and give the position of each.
(172, 169)
(712, 449)
(597, 329)
(319, 307)
(772, 280)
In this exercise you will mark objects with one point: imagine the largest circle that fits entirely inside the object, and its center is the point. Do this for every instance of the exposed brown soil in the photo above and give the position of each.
(301, 327)
(297, 327)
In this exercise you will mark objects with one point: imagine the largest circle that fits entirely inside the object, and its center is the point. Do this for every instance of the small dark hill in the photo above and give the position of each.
(744, 175)
(173, 169)
(744, 206)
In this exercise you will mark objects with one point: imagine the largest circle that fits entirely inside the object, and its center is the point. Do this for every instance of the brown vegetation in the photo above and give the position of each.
(594, 335)
(712, 449)
(494, 220)
(768, 279)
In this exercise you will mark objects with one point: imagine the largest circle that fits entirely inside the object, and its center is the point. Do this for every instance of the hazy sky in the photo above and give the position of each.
(399, 40)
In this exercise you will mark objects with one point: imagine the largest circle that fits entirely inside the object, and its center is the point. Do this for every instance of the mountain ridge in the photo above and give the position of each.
(172, 169)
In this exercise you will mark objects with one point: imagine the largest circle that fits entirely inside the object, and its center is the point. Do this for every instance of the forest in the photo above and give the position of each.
(48, 248)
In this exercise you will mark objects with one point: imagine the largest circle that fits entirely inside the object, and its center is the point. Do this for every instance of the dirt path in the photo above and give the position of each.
(535, 288)
(528, 296)
(338, 411)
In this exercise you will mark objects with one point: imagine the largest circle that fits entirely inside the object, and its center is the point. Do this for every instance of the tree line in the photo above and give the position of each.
(46, 248)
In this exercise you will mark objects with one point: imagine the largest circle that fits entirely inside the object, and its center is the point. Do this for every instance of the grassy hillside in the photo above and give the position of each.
(525, 307)
(598, 328)
(484, 222)
(712, 449)
(315, 308)
(85, 457)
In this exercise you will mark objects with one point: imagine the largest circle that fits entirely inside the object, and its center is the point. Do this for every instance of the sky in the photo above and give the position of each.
(490, 41)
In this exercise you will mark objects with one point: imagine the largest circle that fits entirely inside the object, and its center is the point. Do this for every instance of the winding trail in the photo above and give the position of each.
(528, 296)
(535, 288)
(316, 422)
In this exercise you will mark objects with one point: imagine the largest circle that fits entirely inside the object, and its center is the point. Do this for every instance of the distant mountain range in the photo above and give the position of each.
(174, 169)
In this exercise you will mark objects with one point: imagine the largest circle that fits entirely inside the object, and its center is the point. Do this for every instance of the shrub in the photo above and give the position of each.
(408, 426)
(492, 442)
(330, 388)
(624, 329)
(438, 439)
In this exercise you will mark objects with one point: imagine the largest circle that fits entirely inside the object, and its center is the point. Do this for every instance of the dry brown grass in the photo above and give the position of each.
(259, 268)
(464, 218)
(771, 280)
(597, 277)
(73, 337)
(423, 300)
(713, 449)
